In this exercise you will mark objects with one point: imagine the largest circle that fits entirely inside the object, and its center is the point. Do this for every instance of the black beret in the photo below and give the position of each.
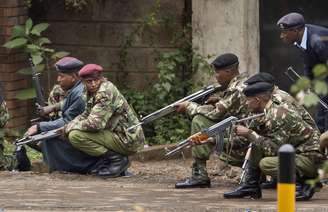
(68, 65)
(291, 20)
(225, 61)
(260, 77)
(258, 88)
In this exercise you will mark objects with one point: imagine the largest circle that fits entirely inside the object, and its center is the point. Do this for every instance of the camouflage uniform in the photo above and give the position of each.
(7, 162)
(232, 103)
(283, 123)
(103, 125)
(56, 96)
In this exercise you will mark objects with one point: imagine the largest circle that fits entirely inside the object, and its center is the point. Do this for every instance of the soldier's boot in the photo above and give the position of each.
(114, 165)
(305, 191)
(270, 184)
(199, 177)
(251, 188)
(23, 162)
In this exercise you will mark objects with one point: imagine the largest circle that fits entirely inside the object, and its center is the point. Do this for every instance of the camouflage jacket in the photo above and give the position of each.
(232, 102)
(109, 110)
(282, 96)
(283, 124)
(56, 97)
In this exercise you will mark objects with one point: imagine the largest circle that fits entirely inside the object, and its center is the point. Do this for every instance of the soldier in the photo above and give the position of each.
(281, 96)
(313, 43)
(203, 116)
(101, 130)
(282, 124)
(19, 160)
(59, 154)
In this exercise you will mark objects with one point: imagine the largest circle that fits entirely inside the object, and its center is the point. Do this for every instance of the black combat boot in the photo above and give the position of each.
(114, 164)
(23, 163)
(270, 184)
(199, 177)
(305, 192)
(251, 187)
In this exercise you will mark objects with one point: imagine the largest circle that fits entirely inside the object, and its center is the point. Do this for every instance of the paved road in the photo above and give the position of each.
(150, 189)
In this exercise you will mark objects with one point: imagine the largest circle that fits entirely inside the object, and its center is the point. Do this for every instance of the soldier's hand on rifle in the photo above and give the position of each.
(32, 130)
(44, 111)
(242, 131)
(212, 100)
(181, 107)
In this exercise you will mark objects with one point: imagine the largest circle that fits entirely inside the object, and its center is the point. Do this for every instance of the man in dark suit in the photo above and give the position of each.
(312, 40)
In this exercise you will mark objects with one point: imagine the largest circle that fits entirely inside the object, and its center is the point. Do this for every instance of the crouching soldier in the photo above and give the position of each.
(101, 130)
(57, 153)
(231, 103)
(283, 124)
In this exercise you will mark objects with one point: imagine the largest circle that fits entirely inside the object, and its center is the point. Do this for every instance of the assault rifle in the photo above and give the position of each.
(38, 137)
(215, 133)
(37, 85)
(38, 89)
(170, 108)
(294, 76)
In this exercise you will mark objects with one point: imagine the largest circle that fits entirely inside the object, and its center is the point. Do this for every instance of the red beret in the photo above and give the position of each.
(90, 71)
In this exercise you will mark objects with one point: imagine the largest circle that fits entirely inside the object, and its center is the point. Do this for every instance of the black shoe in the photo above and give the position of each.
(272, 184)
(252, 191)
(306, 191)
(251, 187)
(193, 183)
(115, 164)
(23, 163)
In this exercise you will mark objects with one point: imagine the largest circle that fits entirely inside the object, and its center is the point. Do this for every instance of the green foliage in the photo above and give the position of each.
(308, 90)
(10, 136)
(29, 38)
(175, 70)
(319, 87)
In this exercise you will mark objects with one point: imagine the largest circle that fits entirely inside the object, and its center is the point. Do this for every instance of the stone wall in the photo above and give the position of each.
(96, 33)
(12, 12)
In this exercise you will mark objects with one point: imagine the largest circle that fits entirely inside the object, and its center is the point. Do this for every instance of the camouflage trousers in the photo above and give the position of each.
(234, 157)
(305, 166)
(7, 162)
(98, 143)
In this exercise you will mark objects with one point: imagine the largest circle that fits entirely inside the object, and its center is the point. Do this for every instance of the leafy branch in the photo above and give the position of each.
(29, 38)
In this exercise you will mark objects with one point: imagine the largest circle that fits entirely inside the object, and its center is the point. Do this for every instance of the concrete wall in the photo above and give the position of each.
(221, 26)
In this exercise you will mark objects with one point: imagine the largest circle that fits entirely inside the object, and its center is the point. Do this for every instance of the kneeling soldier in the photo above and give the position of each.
(101, 130)
(282, 124)
(231, 103)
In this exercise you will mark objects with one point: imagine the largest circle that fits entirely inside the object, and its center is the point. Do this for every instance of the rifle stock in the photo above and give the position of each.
(170, 108)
